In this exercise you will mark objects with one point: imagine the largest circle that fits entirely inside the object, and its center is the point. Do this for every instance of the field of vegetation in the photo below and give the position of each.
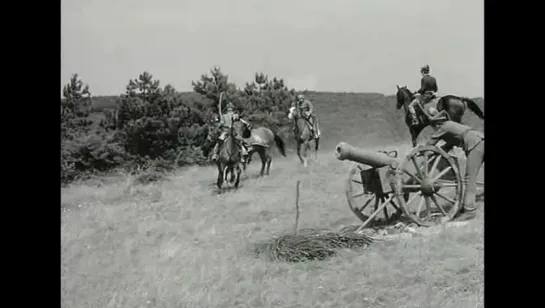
(140, 229)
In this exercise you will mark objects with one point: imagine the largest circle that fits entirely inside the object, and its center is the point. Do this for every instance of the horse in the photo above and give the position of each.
(260, 140)
(303, 136)
(455, 106)
(229, 158)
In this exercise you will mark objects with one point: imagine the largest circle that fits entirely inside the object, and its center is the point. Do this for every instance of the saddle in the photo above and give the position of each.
(256, 140)
(425, 102)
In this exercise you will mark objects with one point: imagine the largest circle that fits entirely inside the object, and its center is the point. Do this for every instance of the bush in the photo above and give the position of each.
(153, 126)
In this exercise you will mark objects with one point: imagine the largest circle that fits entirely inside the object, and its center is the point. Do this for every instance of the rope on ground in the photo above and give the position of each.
(309, 244)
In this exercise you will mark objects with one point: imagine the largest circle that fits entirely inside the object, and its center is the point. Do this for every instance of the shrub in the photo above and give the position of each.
(153, 126)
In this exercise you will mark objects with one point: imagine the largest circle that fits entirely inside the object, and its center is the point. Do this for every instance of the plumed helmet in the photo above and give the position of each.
(425, 69)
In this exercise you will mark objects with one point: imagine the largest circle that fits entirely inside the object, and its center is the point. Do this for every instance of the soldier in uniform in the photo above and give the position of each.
(307, 110)
(472, 141)
(428, 88)
(223, 125)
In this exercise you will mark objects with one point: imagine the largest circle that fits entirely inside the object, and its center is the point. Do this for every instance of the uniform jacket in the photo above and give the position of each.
(306, 106)
(226, 120)
(428, 83)
(455, 134)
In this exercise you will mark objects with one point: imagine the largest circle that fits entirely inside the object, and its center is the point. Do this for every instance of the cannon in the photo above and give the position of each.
(425, 187)
(345, 151)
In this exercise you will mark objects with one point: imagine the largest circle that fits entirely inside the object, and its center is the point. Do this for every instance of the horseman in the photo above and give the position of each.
(307, 112)
(229, 118)
(428, 88)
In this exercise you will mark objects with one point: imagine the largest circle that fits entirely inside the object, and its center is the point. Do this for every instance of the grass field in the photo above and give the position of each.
(177, 243)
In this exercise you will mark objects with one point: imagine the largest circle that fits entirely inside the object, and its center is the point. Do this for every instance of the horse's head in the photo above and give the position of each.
(242, 128)
(291, 114)
(403, 96)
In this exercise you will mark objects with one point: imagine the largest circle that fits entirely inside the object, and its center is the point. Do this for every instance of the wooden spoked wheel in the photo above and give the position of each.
(366, 199)
(429, 186)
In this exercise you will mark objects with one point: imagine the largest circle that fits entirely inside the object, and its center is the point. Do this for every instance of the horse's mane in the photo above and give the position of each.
(406, 90)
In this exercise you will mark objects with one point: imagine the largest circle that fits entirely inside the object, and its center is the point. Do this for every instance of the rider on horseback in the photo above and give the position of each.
(307, 112)
(225, 123)
(428, 88)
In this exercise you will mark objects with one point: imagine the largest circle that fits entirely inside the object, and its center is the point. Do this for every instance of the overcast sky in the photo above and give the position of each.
(323, 45)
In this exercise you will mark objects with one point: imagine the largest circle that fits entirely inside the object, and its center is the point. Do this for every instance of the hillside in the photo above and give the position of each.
(177, 243)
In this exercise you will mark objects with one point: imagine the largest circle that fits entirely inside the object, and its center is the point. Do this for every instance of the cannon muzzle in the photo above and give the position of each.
(344, 151)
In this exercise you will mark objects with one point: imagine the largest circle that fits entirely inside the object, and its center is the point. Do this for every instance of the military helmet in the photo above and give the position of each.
(425, 69)
(300, 97)
(230, 106)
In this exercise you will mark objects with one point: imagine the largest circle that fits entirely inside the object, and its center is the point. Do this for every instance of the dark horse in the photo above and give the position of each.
(454, 105)
(229, 158)
(303, 136)
(261, 140)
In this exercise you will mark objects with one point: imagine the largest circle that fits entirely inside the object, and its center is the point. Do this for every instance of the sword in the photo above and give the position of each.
(219, 104)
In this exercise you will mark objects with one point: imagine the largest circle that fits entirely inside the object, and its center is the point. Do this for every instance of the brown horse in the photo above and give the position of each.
(454, 105)
(260, 140)
(229, 158)
(302, 135)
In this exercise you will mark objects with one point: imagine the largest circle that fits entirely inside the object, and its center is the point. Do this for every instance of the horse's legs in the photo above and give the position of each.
(263, 160)
(316, 147)
(269, 160)
(226, 170)
(249, 159)
(413, 138)
(220, 176)
(239, 170)
(306, 148)
(414, 134)
(233, 173)
(299, 144)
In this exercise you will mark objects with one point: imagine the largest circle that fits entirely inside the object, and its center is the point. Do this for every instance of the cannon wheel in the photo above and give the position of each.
(367, 206)
(435, 179)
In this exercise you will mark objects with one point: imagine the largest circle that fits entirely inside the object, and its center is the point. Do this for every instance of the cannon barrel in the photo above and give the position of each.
(345, 151)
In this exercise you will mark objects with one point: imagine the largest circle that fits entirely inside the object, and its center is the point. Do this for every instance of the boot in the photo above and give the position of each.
(215, 151)
(467, 213)
(311, 127)
(414, 118)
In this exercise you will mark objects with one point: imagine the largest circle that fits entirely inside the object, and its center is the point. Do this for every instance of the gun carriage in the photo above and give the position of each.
(426, 186)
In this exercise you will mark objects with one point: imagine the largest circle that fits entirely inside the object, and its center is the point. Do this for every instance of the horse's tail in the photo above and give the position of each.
(280, 144)
(474, 107)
